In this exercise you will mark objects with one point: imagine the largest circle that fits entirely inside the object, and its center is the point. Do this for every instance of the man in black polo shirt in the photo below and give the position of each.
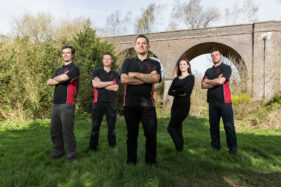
(66, 80)
(216, 80)
(106, 84)
(139, 74)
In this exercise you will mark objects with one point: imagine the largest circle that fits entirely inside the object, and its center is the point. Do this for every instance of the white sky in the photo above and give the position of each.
(98, 10)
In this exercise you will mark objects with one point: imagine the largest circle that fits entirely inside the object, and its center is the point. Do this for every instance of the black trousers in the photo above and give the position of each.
(98, 111)
(217, 110)
(62, 126)
(133, 117)
(178, 113)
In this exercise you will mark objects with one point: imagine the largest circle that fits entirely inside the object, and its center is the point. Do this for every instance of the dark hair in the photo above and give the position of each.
(142, 36)
(107, 53)
(178, 66)
(69, 47)
(215, 49)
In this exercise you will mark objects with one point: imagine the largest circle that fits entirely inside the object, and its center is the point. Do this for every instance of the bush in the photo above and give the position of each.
(240, 99)
(25, 67)
(89, 52)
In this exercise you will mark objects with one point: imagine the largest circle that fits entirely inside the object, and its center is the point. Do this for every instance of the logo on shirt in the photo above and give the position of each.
(111, 76)
(148, 66)
(218, 71)
(66, 71)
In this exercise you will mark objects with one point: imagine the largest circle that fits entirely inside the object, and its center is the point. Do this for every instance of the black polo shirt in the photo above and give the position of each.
(102, 94)
(220, 93)
(65, 92)
(139, 95)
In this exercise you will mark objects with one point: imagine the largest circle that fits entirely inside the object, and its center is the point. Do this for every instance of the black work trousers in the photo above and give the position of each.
(147, 116)
(98, 111)
(62, 126)
(178, 113)
(216, 111)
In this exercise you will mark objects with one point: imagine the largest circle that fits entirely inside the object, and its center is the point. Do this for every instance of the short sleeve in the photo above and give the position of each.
(226, 73)
(116, 78)
(56, 74)
(125, 67)
(73, 73)
(205, 76)
(158, 69)
(95, 74)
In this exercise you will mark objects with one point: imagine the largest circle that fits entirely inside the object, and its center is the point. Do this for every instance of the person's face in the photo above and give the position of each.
(216, 57)
(107, 60)
(183, 66)
(141, 46)
(67, 55)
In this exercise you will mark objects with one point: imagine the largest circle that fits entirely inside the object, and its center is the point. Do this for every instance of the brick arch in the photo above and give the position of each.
(205, 47)
(256, 44)
(227, 51)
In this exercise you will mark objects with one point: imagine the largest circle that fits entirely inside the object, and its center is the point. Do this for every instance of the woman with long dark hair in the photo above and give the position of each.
(181, 89)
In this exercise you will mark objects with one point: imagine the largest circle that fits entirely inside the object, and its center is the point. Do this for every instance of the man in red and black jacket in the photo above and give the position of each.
(216, 80)
(106, 83)
(66, 80)
(139, 74)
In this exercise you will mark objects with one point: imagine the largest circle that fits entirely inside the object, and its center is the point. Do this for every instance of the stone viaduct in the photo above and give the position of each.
(257, 47)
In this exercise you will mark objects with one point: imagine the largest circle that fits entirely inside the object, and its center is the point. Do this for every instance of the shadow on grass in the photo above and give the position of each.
(24, 158)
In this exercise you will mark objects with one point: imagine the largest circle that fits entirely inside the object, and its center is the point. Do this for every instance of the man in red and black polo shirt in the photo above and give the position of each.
(66, 80)
(106, 83)
(139, 74)
(216, 80)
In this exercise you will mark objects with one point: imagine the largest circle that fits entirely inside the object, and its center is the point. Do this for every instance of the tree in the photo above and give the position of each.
(88, 56)
(117, 24)
(42, 27)
(146, 20)
(36, 28)
(244, 13)
(193, 15)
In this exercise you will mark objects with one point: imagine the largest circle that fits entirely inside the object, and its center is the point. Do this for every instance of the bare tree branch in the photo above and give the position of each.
(193, 15)
(245, 13)
(146, 20)
(117, 24)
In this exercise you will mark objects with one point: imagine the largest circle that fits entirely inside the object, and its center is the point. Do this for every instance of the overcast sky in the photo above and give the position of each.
(97, 10)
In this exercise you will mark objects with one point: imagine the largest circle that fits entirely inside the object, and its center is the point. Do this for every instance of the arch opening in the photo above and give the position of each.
(200, 60)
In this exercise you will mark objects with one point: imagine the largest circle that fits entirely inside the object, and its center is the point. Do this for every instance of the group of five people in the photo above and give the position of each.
(138, 74)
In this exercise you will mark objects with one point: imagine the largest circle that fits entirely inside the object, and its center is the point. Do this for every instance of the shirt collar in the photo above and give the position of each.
(68, 65)
(218, 65)
(143, 60)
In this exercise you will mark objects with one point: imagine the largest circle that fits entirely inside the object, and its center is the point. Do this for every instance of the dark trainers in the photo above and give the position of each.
(232, 152)
(70, 159)
(56, 156)
(92, 150)
(216, 149)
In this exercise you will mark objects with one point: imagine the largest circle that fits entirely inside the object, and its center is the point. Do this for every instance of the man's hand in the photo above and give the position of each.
(133, 74)
(112, 88)
(153, 72)
(52, 82)
(97, 83)
(61, 78)
(207, 83)
(126, 79)
(150, 78)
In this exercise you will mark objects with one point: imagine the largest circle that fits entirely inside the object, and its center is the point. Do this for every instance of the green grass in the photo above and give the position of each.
(25, 147)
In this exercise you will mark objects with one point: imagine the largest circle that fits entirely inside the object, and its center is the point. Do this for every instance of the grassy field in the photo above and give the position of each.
(25, 147)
